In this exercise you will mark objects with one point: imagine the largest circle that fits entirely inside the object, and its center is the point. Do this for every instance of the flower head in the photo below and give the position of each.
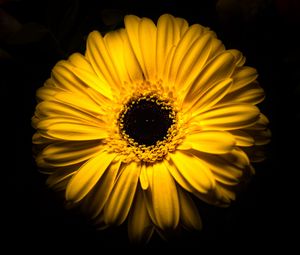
(148, 116)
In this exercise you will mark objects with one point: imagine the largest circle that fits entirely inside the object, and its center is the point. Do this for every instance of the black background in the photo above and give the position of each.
(265, 31)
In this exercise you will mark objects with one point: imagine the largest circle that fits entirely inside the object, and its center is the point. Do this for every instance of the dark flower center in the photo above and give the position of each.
(147, 120)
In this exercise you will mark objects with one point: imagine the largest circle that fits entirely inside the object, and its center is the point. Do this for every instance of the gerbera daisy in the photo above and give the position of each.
(149, 116)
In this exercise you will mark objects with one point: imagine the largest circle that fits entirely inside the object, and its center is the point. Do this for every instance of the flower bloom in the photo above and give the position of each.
(150, 116)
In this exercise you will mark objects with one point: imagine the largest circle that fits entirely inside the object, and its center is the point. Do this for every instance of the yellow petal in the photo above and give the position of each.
(242, 138)
(228, 117)
(167, 69)
(55, 109)
(89, 79)
(78, 60)
(187, 40)
(87, 176)
(47, 92)
(168, 34)
(70, 129)
(164, 198)
(65, 79)
(217, 47)
(178, 177)
(182, 24)
(193, 62)
(147, 40)
(193, 171)
(148, 193)
(237, 157)
(82, 103)
(216, 142)
(261, 124)
(210, 97)
(59, 179)
(189, 215)
(219, 68)
(250, 94)
(140, 228)
(119, 202)
(37, 138)
(223, 170)
(226, 193)
(239, 58)
(98, 56)
(243, 76)
(143, 177)
(116, 50)
(132, 65)
(132, 24)
(149, 170)
(96, 199)
(69, 153)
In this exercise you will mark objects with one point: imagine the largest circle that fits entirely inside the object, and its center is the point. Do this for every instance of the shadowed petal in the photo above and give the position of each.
(119, 202)
(87, 176)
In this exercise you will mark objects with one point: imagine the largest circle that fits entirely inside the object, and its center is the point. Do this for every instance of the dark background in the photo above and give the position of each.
(34, 35)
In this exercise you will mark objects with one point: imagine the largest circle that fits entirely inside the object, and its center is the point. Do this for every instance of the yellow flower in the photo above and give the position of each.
(148, 116)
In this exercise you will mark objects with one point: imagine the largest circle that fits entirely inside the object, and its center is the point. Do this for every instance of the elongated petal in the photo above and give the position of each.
(69, 153)
(81, 102)
(55, 109)
(164, 198)
(38, 139)
(237, 157)
(70, 129)
(251, 94)
(148, 195)
(87, 176)
(226, 193)
(229, 117)
(100, 60)
(189, 215)
(187, 40)
(193, 62)
(78, 60)
(143, 177)
(65, 79)
(178, 177)
(261, 137)
(239, 58)
(96, 199)
(223, 170)
(140, 228)
(216, 142)
(165, 37)
(87, 78)
(168, 34)
(219, 68)
(121, 197)
(134, 70)
(242, 138)
(182, 24)
(132, 24)
(47, 92)
(147, 40)
(59, 179)
(261, 124)
(217, 47)
(243, 76)
(193, 171)
(210, 97)
(116, 49)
